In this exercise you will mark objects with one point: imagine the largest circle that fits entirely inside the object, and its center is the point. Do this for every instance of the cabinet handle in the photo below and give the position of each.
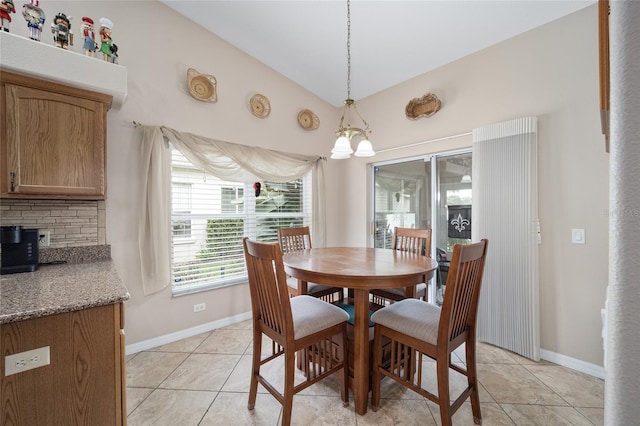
(13, 181)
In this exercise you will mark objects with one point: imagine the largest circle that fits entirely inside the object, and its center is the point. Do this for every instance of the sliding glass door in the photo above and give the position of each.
(401, 198)
(424, 192)
(452, 215)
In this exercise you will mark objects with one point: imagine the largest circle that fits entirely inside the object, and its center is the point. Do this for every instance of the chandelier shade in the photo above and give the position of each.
(342, 148)
(365, 149)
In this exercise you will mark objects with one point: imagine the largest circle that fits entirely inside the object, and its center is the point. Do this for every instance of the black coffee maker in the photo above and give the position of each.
(19, 249)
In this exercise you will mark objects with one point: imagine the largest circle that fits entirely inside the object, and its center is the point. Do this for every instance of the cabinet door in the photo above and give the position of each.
(82, 385)
(121, 380)
(55, 143)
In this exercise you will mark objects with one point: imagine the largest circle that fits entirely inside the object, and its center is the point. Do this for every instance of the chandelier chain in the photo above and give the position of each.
(348, 49)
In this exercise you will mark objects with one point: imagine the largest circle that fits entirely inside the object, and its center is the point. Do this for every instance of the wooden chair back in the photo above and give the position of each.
(413, 240)
(460, 305)
(269, 291)
(294, 239)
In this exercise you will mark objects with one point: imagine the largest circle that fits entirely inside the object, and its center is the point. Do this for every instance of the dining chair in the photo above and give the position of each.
(299, 238)
(314, 328)
(411, 240)
(416, 329)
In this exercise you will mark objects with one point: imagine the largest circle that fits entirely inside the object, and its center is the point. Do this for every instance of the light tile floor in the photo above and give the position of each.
(204, 380)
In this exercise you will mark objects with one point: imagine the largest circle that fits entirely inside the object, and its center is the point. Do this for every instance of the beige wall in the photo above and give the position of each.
(550, 72)
(158, 94)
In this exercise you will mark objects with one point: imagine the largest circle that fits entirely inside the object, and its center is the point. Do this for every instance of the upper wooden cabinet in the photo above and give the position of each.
(53, 140)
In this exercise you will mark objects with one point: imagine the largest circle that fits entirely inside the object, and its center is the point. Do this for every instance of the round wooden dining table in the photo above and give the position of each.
(360, 269)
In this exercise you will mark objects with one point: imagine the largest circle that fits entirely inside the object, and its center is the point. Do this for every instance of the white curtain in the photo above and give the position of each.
(228, 161)
(505, 210)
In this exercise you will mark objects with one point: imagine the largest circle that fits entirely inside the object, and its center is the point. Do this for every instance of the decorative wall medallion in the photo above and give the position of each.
(202, 86)
(308, 120)
(425, 106)
(260, 106)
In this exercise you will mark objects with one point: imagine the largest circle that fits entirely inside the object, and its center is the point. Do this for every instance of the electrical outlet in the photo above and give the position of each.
(44, 238)
(23, 361)
(199, 307)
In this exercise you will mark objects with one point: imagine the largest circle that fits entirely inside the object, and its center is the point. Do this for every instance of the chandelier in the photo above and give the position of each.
(342, 148)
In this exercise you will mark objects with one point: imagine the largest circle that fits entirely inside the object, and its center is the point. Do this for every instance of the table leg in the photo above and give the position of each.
(361, 351)
(410, 292)
(303, 287)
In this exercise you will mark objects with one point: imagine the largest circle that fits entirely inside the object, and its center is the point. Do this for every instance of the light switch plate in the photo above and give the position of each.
(577, 236)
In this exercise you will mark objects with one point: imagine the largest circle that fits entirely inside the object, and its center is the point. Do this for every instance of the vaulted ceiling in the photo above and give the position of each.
(391, 41)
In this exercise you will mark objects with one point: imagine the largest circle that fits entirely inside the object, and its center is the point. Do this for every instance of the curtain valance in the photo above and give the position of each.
(239, 163)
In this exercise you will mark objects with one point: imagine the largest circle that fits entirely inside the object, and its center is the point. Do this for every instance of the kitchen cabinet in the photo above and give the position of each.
(84, 382)
(53, 140)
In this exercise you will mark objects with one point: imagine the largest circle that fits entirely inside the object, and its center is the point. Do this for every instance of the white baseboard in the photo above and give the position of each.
(183, 334)
(574, 364)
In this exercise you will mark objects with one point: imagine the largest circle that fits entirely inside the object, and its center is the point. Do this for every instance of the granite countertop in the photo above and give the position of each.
(54, 289)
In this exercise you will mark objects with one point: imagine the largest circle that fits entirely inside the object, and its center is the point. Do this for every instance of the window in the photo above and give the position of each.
(232, 199)
(180, 210)
(211, 216)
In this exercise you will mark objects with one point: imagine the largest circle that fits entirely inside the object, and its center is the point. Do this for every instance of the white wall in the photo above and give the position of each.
(550, 72)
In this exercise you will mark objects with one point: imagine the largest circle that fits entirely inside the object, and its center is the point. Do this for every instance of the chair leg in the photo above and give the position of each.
(472, 378)
(344, 385)
(255, 368)
(289, 372)
(377, 377)
(442, 365)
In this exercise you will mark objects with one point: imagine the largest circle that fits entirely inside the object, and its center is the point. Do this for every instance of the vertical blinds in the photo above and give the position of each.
(505, 210)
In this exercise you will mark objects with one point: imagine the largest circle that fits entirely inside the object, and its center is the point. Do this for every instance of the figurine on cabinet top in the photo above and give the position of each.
(105, 37)
(35, 19)
(114, 54)
(61, 30)
(89, 36)
(6, 7)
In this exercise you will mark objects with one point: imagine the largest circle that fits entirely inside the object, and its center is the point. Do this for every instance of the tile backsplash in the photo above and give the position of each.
(72, 223)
